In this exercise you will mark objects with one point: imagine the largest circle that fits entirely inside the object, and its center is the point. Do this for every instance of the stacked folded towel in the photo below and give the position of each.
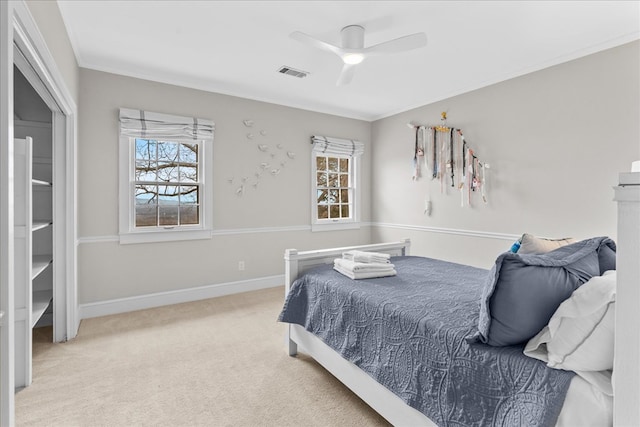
(367, 257)
(353, 265)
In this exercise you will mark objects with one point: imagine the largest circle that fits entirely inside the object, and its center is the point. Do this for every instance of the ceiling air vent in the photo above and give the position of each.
(292, 72)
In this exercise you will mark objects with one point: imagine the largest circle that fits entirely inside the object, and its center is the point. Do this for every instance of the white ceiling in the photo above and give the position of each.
(236, 47)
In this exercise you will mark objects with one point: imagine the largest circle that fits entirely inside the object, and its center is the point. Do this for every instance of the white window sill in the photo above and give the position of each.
(334, 226)
(163, 236)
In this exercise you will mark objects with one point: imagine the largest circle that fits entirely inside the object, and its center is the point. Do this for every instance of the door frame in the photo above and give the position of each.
(18, 30)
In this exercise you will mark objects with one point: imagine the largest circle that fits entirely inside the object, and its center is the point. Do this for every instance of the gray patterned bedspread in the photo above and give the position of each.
(408, 332)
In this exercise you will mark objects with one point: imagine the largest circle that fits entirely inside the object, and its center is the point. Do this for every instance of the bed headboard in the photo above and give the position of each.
(296, 263)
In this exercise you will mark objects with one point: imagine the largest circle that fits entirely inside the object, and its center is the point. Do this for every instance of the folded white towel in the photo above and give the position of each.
(362, 266)
(355, 275)
(370, 257)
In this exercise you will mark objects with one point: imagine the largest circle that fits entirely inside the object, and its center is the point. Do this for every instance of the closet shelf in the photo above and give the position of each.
(40, 263)
(40, 224)
(41, 183)
(41, 300)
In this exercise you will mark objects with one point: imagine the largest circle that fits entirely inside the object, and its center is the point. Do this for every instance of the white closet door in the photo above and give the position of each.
(22, 259)
(33, 254)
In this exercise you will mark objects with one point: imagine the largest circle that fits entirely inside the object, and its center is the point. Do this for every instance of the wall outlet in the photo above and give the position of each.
(240, 265)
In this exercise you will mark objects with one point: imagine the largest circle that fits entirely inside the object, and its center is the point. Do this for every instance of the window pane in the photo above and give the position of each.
(333, 164)
(188, 195)
(333, 180)
(334, 211)
(321, 163)
(146, 194)
(188, 173)
(167, 172)
(323, 212)
(189, 214)
(168, 195)
(168, 214)
(344, 196)
(167, 151)
(145, 149)
(188, 154)
(323, 196)
(344, 180)
(146, 215)
(333, 196)
(345, 211)
(321, 180)
(145, 170)
(344, 165)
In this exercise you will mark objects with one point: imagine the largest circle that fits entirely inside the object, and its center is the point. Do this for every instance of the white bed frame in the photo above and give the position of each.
(383, 401)
(398, 413)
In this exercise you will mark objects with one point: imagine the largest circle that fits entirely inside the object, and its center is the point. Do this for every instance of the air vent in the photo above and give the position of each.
(292, 72)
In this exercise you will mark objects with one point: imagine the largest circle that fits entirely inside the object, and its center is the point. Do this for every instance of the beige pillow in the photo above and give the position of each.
(530, 244)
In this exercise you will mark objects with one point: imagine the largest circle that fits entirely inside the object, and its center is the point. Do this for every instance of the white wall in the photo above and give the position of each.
(278, 211)
(555, 140)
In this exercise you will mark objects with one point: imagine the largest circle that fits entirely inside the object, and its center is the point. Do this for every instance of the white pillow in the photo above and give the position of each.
(580, 334)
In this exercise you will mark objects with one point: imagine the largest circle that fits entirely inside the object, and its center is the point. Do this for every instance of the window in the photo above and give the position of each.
(333, 187)
(167, 185)
(335, 183)
(165, 167)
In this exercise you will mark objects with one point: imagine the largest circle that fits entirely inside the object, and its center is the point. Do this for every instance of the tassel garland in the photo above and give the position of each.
(442, 154)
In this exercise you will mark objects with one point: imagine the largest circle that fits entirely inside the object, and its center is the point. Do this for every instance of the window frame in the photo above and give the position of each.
(331, 224)
(128, 232)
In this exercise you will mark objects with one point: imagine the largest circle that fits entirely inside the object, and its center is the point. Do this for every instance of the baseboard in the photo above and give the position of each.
(141, 302)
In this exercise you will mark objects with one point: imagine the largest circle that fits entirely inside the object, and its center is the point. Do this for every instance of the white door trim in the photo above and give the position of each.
(7, 384)
(17, 27)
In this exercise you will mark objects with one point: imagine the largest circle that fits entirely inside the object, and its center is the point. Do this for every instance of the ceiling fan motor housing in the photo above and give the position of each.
(352, 37)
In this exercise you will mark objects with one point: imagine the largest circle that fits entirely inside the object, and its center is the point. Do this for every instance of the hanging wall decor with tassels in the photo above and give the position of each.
(441, 153)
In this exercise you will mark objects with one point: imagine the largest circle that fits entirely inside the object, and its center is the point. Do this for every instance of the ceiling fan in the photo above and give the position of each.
(352, 52)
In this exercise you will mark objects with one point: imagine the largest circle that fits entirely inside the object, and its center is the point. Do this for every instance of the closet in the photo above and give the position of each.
(33, 220)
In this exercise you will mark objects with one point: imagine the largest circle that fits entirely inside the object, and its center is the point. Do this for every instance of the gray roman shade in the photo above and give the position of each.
(146, 124)
(336, 146)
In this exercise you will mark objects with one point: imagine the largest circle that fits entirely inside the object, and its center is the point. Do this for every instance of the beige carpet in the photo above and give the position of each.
(217, 362)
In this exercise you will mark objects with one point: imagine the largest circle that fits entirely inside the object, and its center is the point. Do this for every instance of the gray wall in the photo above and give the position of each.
(555, 140)
(50, 23)
(255, 228)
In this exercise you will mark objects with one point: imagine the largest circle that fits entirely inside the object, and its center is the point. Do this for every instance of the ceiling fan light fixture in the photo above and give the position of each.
(353, 58)
(352, 50)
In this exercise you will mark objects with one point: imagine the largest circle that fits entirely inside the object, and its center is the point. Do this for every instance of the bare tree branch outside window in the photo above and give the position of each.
(167, 186)
(334, 192)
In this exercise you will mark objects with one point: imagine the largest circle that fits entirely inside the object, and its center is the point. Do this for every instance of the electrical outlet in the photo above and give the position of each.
(240, 265)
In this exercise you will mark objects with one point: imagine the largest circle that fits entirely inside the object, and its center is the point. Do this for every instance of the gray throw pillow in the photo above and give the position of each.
(523, 291)
(607, 257)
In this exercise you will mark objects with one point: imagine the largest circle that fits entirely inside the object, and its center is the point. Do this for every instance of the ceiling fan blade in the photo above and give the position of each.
(311, 41)
(402, 44)
(348, 70)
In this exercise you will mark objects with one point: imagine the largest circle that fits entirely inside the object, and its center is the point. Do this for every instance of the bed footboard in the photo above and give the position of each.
(297, 262)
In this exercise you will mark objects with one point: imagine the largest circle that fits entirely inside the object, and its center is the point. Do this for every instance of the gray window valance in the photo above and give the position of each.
(337, 146)
(146, 124)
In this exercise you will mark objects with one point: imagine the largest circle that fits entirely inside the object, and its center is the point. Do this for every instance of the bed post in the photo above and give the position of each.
(626, 368)
(290, 274)
(407, 247)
